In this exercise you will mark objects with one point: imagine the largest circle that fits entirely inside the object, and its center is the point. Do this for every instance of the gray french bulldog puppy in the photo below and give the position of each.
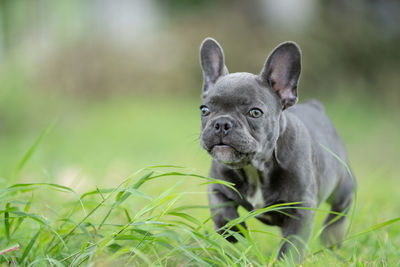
(273, 152)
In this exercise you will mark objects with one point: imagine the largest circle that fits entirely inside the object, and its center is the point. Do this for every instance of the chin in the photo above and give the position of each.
(230, 157)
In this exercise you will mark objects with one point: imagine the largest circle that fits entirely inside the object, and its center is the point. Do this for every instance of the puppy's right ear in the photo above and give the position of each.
(281, 72)
(212, 63)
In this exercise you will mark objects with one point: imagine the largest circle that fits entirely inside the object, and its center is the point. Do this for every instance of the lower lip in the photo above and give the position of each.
(222, 147)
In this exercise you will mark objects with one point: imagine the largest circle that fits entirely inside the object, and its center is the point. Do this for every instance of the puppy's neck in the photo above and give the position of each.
(267, 159)
(282, 123)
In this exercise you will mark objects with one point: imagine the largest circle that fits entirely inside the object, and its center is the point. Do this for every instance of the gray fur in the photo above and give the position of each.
(279, 152)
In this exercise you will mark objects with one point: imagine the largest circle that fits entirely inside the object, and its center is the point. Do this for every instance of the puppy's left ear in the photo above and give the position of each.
(212, 63)
(281, 72)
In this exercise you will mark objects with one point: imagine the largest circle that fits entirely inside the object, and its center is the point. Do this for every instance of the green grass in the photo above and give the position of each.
(68, 195)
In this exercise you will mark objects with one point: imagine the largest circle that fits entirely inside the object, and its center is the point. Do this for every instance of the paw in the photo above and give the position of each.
(332, 236)
(229, 236)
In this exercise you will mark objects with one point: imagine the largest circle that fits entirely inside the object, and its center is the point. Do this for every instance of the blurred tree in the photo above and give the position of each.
(119, 46)
(5, 17)
(178, 5)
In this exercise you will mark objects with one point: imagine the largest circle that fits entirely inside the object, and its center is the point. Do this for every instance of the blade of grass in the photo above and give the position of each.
(127, 215)
(77, 253)
(9, 249)
(32, 149)
(142, 180)
(165, 195)
(124, 194)
(165, 166)
(7, 222)
(26, 209)
(31, 186)
(251, 242)
(210, 180)
(368, 230)
(66, 236)
(374, 228)
(29, 247)
(41, 220)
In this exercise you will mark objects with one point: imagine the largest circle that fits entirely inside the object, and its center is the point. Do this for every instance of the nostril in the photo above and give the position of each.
(216, 126)
(227, 126)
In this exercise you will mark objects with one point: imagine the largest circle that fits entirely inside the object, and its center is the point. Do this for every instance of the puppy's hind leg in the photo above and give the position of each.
(335, 224)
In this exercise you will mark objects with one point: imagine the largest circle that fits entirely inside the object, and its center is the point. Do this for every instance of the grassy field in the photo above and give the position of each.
(76, 187)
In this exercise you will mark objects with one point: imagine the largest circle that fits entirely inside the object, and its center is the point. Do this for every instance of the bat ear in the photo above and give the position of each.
(282, 70)
(212, 63)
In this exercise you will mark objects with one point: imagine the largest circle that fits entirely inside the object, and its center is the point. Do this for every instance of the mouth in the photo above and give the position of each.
(227, 154)
(223, 148)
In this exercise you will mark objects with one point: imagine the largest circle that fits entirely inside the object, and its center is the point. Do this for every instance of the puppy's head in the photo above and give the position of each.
(240, 112)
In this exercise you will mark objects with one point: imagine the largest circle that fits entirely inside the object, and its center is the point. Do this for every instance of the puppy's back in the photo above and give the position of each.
(324, 136)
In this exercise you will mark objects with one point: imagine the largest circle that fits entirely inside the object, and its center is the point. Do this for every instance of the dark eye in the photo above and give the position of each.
(255, 113)
(205, 111)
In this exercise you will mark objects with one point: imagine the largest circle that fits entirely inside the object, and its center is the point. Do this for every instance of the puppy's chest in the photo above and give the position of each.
(260, 193)
(254, 194)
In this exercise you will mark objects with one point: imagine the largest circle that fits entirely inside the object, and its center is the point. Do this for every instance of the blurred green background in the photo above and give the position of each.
(122, 81)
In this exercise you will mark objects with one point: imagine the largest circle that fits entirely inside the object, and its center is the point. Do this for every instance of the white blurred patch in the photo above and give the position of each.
(127, 21)
(72, 177)
(289, 13)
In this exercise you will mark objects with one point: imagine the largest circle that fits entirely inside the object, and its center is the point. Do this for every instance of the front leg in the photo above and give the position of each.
(223, 210)
(298, 231)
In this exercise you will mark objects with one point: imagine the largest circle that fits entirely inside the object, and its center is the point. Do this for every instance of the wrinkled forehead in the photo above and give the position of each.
(237, 89)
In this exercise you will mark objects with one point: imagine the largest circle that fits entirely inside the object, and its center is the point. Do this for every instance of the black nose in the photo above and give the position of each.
(222, 125)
